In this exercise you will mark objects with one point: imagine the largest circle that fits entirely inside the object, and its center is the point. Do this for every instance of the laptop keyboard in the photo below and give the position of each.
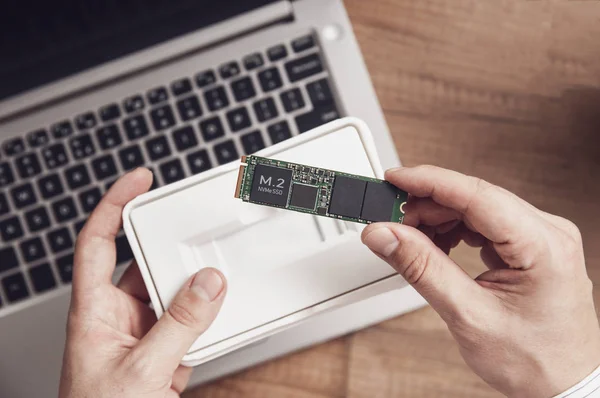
(53, 177)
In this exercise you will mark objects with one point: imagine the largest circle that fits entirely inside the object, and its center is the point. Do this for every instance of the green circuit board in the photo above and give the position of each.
(319, 191)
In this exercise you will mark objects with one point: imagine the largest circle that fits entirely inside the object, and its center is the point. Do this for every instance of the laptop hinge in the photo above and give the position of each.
(144, 59)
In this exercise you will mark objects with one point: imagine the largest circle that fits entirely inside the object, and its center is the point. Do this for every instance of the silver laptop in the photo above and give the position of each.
(89, 90)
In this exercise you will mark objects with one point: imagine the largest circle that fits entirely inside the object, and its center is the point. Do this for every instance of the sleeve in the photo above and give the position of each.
(587, 388)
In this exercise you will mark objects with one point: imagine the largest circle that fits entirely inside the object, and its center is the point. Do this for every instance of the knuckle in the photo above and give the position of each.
(414, 267)
(182, 313)
(572, 230)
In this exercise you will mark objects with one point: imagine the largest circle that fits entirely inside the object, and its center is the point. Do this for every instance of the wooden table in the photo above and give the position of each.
(503, 89)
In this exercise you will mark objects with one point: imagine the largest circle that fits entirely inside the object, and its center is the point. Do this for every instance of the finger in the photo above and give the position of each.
(181, 378)
(490, 258)
(426, 211)
(132, 283)
(492, 211)
(192, 311)
(95, 252)
(432, 273)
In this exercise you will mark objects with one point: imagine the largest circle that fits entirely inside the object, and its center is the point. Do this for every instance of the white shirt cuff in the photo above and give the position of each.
(587, 388)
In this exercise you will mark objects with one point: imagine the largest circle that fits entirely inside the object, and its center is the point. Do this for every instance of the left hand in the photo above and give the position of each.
(115, 346)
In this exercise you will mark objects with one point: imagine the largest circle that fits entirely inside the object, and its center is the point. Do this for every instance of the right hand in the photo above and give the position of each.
(528, 325)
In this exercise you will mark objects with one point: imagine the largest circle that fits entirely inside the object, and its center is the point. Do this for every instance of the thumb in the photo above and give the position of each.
(445, 286)
(191, 312)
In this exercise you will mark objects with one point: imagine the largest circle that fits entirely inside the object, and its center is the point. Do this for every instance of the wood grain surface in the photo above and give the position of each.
(506, 90)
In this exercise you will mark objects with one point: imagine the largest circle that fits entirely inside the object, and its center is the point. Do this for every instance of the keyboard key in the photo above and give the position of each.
(14, 146)
(276, 53)
(50, 186)
(162, 118)
(199, 162)
(252, 142)
(4, 206)
(181, 86)
(32, 250)
(59, 240)
(135, 127)
(64, 265)
(133, 104)
(158, 148)
(37, 219)
(124, 252)
(229, 69)
(205, 78)
(64, 209)
(62, 129)
(226, 152)
(10, 229)
(279, 132)
(243, 89)
(304, 67)
(109, 136)
(185, 138)
(253, 61)
(172, 171)
(211, 129)
(303, 43)
(104, 167)
(15, 287)
(8, 259)
(238, 119)
(42, 278)
(55, 156)
(154, 179)
(86, 121)
(37, 138)
(109, 112)
(131, 157)
(157, 95)
(28, 165)
(265, 109)
(77, 176)
(292, 100)
(89, 199)
(189, 108)
(6, 175)
(270, 79)
(316, 118)
(82, 146)
(23, 195)
(320, 93)
(216, 98)
(78, 226)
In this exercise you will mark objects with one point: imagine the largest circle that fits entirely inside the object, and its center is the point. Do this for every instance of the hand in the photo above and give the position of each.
(115, 347)
(527, 326)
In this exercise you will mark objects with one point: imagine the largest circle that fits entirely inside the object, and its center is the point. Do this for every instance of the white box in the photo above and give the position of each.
(282, 267)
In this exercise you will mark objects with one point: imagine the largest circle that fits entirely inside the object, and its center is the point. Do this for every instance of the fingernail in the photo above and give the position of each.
(208, 284)
(382, 241)
(394, 169)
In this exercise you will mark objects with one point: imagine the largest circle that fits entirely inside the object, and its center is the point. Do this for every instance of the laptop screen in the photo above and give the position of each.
(42, 41)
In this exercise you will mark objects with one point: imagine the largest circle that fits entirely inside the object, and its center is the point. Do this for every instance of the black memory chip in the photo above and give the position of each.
(378, 205)
(304, 196)
(271, 185)
(347, 196)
